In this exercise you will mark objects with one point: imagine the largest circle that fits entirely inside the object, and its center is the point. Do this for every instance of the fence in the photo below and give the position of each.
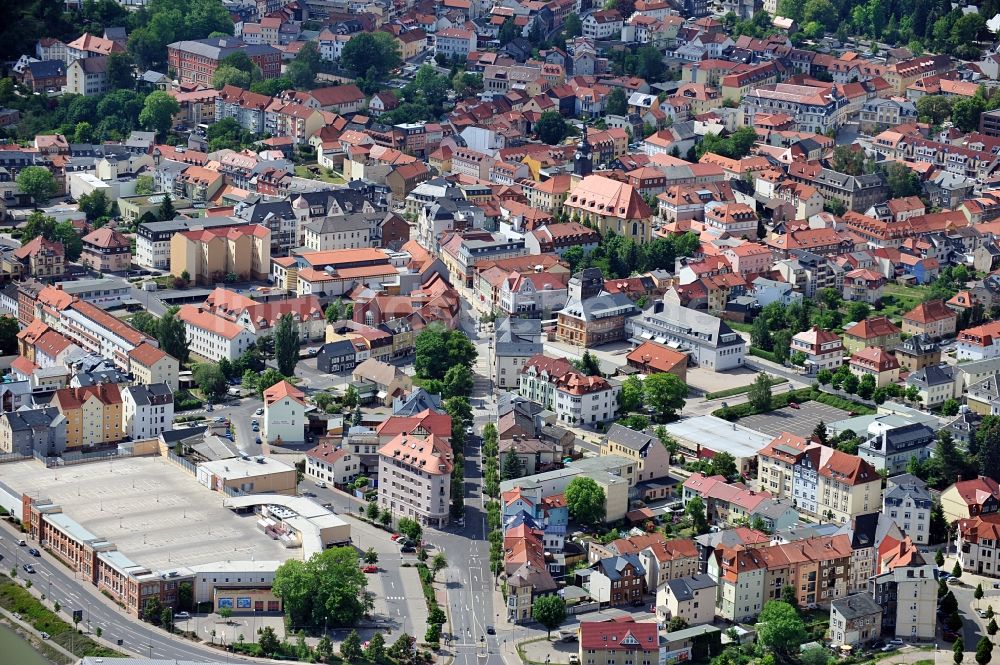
(77, 457)
(13, 457)
(182, 463)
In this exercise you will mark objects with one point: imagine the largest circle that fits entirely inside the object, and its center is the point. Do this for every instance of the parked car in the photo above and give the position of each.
(44, 635)
(182, 615)
(490, 630)
(407, 549)
(395, 536)
(259, 412)
(370, 568)
(210, 408)
(889, 647)
(950, 636)
(320, 483)
(982, 613)
(28, 568)
(34, 552)
(793, 405)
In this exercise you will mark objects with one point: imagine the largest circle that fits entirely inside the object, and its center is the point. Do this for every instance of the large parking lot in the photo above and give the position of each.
(801, 421)
(156, 513)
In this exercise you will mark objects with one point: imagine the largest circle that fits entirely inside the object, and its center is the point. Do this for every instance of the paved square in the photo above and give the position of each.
(801, 421)
(154, 512)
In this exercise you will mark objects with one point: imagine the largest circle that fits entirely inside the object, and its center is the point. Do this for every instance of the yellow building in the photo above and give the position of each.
(610, 206)
(93, 414)
(208, 255)
(149, 365)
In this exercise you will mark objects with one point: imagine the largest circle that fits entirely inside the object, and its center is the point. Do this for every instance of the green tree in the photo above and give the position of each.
(511, 467)
(38, 183)
(438, 563)
(759, 395)
(780, 629)
(724, 464)
(649, 64)
(588, 364)
(848, 160)
(172, 335)
(410, 528)
(211, 381)
(370, 54)
(665, 394)
(166, 212)
(351, 398)
(991, 628)
(334, 311)
(375, 651)
(585, 501)
(789, 596)
(866, 386)
(268, 641)
(303, 69)
(939, 558)
(268, 378)
(957, 651)
(144, 185)
(385, 517)
(371, 511)
(902, 180)
(328, 589)
(956, 572)
(949, 603)
(350, 648)
(822, 12)
(858, 311)
(158, 112)
(630, 396)
(676, 623)
(94, 205)
(121, 71)
(572, 25)
(617, 103)
(550, 611)
(551, 128)
(965, 113)
(458, 381)
(152, 611)
(438, 349)
(815, 656)
(286, 345)
(984, 650)
(695, 509)
(850, 384)
(8, 335)
(824, 376)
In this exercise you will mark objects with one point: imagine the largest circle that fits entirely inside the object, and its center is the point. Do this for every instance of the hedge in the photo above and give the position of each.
(739, 390)
(799, 396)
(766, 355)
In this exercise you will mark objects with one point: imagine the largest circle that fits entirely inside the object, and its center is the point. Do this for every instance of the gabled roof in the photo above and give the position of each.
(281, 390)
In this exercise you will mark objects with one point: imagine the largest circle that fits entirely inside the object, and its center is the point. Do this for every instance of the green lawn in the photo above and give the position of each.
(902, 299)
(305, 171)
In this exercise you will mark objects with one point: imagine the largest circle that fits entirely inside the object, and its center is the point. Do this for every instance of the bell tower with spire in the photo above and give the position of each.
(583, 160)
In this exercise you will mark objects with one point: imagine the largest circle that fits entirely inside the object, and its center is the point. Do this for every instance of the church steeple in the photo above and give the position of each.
(583, 161)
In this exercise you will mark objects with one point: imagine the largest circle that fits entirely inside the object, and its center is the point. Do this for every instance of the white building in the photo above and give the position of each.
(709, 341)
(575, 398)
(213, 337)
(455, 42)
(284, 413)
(415, 478)
(147, 411)
(822, 349)
(908, 503)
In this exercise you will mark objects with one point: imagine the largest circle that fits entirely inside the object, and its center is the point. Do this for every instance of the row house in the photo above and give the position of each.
(906, 587)
(818, 569)
(247, 108)
(823, 482)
